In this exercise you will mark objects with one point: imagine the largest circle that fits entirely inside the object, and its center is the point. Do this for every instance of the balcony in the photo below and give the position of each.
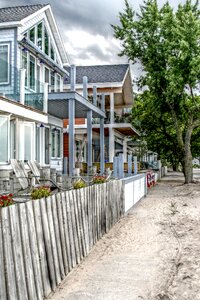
(17, 89)
(123, 118)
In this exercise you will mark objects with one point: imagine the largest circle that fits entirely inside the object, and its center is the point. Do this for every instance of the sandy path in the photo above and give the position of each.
(152, 253)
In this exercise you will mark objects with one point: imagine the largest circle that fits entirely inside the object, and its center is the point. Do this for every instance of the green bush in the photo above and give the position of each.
(40, 192)
(79, 184)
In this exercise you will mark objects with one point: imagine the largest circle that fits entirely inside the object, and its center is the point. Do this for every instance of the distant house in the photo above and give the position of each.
(114, 81)
(32, 102)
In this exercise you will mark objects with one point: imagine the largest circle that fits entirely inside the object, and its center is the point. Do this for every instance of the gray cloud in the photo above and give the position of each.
(92, 16)
(107, 55)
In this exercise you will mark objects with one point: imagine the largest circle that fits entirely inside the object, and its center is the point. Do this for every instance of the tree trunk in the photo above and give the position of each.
(187, 159)
(188, 169)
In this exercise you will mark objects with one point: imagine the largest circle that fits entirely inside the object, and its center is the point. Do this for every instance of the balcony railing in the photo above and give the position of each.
(34, 96)
(126, 118)
(20, 90)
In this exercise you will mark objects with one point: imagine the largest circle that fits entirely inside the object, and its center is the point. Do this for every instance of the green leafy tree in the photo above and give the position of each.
(166, 43)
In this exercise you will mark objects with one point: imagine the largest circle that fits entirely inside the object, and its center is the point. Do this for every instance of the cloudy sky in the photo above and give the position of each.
(85, 27)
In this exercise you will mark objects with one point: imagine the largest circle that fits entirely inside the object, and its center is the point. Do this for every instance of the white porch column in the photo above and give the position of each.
(111, 144)
(95, 95)
(71, 108)
(102, 150)
(17, 139)
(45, 105)
(112, 107)
(73, 78)
(22, 85)
(42, 146)
(89, 135)
(85, 91)
(125, 149)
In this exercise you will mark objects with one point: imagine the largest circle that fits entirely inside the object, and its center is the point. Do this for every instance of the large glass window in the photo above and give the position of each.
(32, 35)
(53, 142)
(52, 87)
(24, 65)
(4, 63)
(56, 143)
(52, 53)
(46, 146)
(32, 72)
(47, 75)
(4, 132)
(58, 79)
(39, 35)
(46, 41)
(26, 141)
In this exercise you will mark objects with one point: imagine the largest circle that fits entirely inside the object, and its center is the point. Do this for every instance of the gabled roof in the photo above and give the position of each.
(18, 13)
(101, 73)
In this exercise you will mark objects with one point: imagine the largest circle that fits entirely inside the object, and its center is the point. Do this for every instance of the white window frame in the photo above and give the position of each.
(35, 71)
(21, 139)
(56, 129)
(8, 139)
(8, 45)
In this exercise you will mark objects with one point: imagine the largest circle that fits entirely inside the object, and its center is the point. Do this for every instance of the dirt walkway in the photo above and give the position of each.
(152, 253)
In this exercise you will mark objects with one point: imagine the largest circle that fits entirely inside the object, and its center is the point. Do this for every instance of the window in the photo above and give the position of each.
(46, 146)
(46, 42)
(47, 75)
(52, 87)
(32, 35)
(4, 62)
(32, 72)
(39, 35)
(26, 141)
(52, 54)
(24, 65)
(58, 143)
(4, 138)
(55, 143)
(58, 82)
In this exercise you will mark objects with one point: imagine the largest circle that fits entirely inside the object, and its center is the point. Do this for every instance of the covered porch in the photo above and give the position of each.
(71, 106)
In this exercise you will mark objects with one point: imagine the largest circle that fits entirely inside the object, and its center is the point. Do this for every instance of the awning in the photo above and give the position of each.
(58, 105)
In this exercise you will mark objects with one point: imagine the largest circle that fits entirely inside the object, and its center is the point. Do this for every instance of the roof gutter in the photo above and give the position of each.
(32, 48)
(10, 24)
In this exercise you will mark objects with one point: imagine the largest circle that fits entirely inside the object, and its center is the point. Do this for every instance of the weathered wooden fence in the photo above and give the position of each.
(42, 240)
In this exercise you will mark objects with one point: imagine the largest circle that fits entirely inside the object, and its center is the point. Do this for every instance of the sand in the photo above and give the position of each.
(151, 253)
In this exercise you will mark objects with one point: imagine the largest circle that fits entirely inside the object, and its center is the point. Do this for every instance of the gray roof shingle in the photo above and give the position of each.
(18, 13)
(101, 73)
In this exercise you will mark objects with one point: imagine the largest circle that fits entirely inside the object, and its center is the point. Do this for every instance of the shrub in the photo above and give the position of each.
(40, 192)
(6, 200)
(99, 179)
(79, 184)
